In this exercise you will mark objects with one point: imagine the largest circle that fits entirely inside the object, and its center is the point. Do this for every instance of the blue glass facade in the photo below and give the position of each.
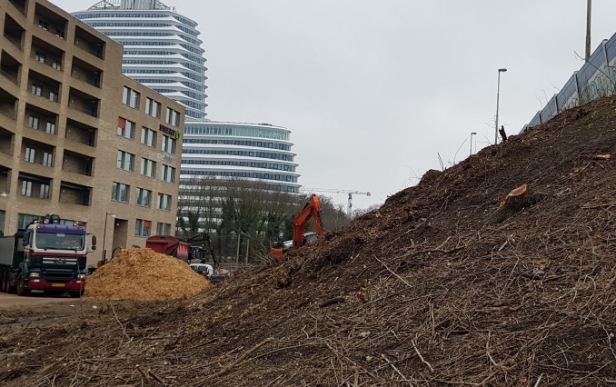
(162, 50)
(156, 39)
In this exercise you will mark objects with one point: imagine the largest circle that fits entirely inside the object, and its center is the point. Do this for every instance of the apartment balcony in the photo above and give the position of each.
(13, 33)
(50, 22)
(47, 55)
(88, 75)
(5, 181)
(10, 69)
(37, 157)
(89, 43)
(46, 88)
(8, 109)
(77, 163)
(42, 122)
(83, 107)
(75, 194)
(81, 138)
(20, 5)
(6, 147)
(35, 186)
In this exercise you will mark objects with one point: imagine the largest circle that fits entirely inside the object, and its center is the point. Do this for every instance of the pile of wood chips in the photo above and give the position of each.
(142, 274)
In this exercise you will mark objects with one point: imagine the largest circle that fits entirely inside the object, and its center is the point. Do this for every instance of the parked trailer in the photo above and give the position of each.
(46, 256)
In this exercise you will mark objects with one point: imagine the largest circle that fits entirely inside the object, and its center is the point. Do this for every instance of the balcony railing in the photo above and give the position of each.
(15, 42)
(53, 63)
(92, 111)
(48, 95)
(97, 52)
(19, 6)
(10, 76)
(8, 112)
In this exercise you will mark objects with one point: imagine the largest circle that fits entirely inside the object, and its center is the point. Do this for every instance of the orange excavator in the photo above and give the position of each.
(311, 210)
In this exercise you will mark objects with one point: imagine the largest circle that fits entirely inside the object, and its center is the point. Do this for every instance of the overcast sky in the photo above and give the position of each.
(375, 90)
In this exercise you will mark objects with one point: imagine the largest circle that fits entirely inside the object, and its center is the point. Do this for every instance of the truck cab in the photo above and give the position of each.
(48, 256)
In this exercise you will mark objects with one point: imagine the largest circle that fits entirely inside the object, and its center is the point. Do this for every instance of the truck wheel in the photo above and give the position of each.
(21, 288)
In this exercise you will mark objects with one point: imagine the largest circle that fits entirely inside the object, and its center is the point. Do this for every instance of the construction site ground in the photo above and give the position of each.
(452, 282)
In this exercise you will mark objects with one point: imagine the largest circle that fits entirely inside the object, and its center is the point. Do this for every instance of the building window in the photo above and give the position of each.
(37, 90)
(163, 229)
(164, 202)
(44, 193)
(26, 188)
(48, 159)
(126, 128)
(152, 108)
(33, 122)
(120, 192)
(142, 228)
(131, 98)
(148, 137)
(30, 155)
(53, 96)
(50, 127)
(168, 174)
(126, 161)
(144, 197)
(148, 167)
(173, 117)
(40, 57)
(169, 144)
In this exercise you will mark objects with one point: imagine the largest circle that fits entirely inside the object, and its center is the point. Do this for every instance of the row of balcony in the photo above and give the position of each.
(46, 93)
(48, 20)
(41, 157)
(11, 68)
(40, 187)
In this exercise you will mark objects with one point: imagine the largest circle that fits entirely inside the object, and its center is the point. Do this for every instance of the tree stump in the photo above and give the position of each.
(514, 202)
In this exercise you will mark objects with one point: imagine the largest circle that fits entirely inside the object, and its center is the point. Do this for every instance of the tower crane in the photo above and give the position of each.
(338, 191)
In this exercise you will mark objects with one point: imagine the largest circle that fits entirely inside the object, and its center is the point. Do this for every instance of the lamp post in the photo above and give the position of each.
(497, 98)
(105, 236)
(472, 134)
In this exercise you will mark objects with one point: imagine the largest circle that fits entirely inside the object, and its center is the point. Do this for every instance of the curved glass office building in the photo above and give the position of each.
(260, 152)
(162, 49)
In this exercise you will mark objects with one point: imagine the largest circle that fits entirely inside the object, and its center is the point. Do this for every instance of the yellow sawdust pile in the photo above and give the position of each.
(142, 274)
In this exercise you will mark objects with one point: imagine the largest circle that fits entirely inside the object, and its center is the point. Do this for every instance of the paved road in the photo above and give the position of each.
(13, 300)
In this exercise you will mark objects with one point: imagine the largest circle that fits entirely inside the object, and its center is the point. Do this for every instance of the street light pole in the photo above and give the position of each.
(497, 101)
(472, 134)
(105, 236)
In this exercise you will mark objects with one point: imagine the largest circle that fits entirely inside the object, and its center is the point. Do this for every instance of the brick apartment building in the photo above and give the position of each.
(78, 138)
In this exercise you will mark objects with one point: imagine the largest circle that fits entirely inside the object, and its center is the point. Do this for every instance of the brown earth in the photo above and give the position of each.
(438, 287)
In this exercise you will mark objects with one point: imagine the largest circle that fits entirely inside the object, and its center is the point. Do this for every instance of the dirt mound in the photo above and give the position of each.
(142, 274)
(438, 287)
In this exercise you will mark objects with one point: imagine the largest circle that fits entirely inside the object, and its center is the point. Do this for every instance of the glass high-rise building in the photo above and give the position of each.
(162, 51)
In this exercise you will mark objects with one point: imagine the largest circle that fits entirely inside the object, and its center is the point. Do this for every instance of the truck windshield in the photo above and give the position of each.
(59, 241)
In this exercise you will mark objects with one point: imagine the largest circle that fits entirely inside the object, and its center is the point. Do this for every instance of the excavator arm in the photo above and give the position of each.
(311, 210)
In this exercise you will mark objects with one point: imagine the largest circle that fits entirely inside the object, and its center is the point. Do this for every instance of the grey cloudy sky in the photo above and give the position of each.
(375, 90)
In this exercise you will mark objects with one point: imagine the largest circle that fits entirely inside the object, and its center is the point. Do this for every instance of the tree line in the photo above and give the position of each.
(244, 218)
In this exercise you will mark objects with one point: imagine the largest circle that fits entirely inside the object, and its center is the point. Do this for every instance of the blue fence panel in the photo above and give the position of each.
(535, 121)
(610, 47)
(568, 92)
(597, 59)
(549, 111)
